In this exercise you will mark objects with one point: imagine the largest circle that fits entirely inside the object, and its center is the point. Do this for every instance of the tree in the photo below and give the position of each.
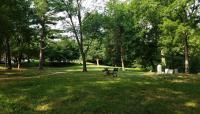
(22, 35)
(133, 26)
(6, 22)
(169, 42)
(93, 29)
(62, 51)
(96, 52)
(187, 17)
(45, 18)
(41, 11)
(14, 19)
(117, 13)
(74, 15)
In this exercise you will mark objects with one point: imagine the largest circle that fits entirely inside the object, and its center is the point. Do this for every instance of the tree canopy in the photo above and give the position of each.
(130, 33)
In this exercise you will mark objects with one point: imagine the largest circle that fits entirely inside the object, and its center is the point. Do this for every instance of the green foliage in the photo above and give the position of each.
(133, 31)
(178, 26)
(64, 50)
(41, 7)
(96, 51)
(133, 26)
(93, 24)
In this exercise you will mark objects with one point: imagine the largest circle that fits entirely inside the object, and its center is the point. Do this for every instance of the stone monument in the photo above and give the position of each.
(159, 69)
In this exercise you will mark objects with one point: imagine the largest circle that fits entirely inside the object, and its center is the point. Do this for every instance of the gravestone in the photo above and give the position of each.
(159, 69)
(175, 71)
(171, 71)
(166, 71)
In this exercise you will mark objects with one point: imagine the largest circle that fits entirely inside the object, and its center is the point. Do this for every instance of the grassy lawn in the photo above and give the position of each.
(69, 91)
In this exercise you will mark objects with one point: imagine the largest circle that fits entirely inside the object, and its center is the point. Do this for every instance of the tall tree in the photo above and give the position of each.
(6, 25)
(41, 10)
(74, 15)
(93, 30)
(186, 13)
(13, 19)
(134, 27)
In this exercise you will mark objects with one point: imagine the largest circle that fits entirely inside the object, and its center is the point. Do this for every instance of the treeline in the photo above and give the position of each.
(133, 33)
(145, 33)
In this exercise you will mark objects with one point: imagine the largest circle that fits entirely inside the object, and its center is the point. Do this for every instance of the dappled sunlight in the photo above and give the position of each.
(2, 68)
(130, 74)
(169, 91)
(59, 72)
(149, 74)
(13, 69)
(191, 104)
(108, 81)
(44, 107)
(181, 76)
(143, 83)
(52, 74)
(64, 90)
(80, 70)
(179, 81)
(19, 98)
(9, 73)
(73, 70)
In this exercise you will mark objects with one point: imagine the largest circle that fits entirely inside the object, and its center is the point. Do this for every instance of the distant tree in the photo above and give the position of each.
(133, 29)
(5, 30)
(96, 52)
(185, 14)
(93, 29)
(169, 42)
(14, 19)
(64, 50)
(74, 14)
(45, 18)
(41, 11)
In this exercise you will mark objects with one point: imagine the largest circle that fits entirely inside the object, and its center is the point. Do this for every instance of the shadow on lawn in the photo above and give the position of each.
(73, 92)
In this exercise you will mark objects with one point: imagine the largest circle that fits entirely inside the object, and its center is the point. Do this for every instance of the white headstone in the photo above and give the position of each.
(166, 71)
(171, 71)
(159, 69)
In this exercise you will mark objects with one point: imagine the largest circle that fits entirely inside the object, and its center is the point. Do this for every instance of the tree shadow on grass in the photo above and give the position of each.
(92, 93)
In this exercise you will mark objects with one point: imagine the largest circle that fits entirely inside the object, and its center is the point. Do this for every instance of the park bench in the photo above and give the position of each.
(108, 72)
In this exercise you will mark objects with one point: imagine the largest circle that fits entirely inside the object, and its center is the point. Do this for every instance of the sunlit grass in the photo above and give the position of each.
(68, 90)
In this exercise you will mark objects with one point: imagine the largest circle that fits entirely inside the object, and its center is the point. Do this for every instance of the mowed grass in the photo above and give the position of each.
(70, 91)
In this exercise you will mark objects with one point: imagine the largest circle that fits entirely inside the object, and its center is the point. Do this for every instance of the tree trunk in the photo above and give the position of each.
(172, 61)
(78, 34)
(28, 58)
(81, 37)
(6, 59)
(186, 52)
(84, 62)
(19, 61)
(163, 60)
(122, 59)
(41, 61)
(97, 61)
(152, 64)
(42, 46)
(8, 55)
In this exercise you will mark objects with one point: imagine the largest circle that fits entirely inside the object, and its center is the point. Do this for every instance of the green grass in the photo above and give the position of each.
(70, 91)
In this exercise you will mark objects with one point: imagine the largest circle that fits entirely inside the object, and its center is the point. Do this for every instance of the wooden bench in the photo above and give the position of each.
(108, 72)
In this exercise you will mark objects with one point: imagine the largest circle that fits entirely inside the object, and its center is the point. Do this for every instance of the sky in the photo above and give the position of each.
(89, 5)
(92, 4)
